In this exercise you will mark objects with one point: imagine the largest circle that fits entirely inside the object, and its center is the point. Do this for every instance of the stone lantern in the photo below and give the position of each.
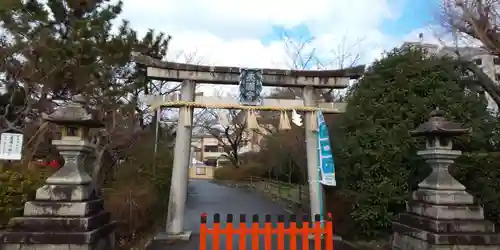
(441, 214)
(65, 214)
(75, 123)
(439, 153)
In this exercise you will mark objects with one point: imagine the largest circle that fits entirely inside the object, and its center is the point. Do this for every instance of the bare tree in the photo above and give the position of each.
(230, 129)
(477, 20)
(302, 55)
(159, 88)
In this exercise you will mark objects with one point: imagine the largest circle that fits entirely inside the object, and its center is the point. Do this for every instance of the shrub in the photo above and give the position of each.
(340, 205)
(239, 174)
(229, 173)
(138, 197)
(132, 208)
(375, 154)
(480, 173)
(252, 169)
(283, 155)
(18, 184)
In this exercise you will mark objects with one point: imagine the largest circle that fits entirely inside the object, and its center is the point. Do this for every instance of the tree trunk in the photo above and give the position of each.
(484, 80)
(97, 179)
(98, 170)
(235, 159)
(290, 171)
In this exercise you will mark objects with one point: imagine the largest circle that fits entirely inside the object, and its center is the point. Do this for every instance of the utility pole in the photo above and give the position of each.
(157, 130)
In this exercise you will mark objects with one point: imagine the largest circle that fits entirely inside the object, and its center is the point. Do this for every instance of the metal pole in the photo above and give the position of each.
(321, 194)
(157, 129)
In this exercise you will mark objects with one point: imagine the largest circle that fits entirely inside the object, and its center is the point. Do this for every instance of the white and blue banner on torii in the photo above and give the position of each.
(326, 165)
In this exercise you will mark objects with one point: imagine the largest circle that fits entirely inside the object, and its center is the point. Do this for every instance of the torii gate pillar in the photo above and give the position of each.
(315, 190)
(182, 150)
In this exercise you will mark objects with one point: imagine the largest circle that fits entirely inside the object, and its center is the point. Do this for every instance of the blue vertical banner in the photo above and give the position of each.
(326, 165)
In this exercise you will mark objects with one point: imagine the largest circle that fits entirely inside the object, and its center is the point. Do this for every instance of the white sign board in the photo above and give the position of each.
(11, 146)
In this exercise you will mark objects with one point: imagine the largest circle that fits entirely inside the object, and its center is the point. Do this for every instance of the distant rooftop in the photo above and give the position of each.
(448, 50)
(201, 135)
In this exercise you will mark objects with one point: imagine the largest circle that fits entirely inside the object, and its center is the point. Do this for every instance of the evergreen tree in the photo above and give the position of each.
(377, 159)
(63, 46)
(58, 48)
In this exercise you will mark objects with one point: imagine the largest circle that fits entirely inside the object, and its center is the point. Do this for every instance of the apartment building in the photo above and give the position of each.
(490, 64)
(207, 149)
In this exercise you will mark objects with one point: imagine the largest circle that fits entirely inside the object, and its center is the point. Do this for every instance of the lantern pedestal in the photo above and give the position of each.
(441, 214)
(66, 214)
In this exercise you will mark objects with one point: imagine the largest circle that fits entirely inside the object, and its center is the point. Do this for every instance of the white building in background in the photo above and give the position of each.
(210, 151)
(207, 149)
(486, 61)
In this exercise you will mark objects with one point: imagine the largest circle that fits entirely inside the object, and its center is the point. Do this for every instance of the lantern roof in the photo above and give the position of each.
(74, 114)
(438, 125)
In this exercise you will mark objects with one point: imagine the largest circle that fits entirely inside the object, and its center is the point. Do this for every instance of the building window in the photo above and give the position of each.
(211, 149)
(211, 162)
(201, 171)
(478, 61)
(496, 60)
(197, 156)
(221, 149)
(497, 77)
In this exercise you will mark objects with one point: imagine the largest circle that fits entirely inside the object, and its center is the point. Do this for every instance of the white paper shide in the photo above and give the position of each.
(11, 146)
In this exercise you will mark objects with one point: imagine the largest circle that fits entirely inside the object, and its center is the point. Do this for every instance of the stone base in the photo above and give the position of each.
(443, 197)
(405, 242)
(60, 225)
(63, 208)
(103, 244)
(165, 237)
(57, 237)
(64, 192)
(447, 226)
(406, 237)
(335, 237)
(449, 211)
(434, 222)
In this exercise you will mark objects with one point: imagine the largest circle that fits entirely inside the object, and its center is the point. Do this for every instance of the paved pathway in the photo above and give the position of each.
(211, 198)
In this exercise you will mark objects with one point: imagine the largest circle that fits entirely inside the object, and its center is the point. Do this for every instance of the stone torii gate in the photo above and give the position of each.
(255, 79)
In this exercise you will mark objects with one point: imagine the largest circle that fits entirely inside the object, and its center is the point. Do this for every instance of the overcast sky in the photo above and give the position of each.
(247, 33)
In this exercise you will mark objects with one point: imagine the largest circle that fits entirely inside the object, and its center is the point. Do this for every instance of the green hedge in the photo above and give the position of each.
(238, 174)
(376, 157)
(18, 184)
(480, 173)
